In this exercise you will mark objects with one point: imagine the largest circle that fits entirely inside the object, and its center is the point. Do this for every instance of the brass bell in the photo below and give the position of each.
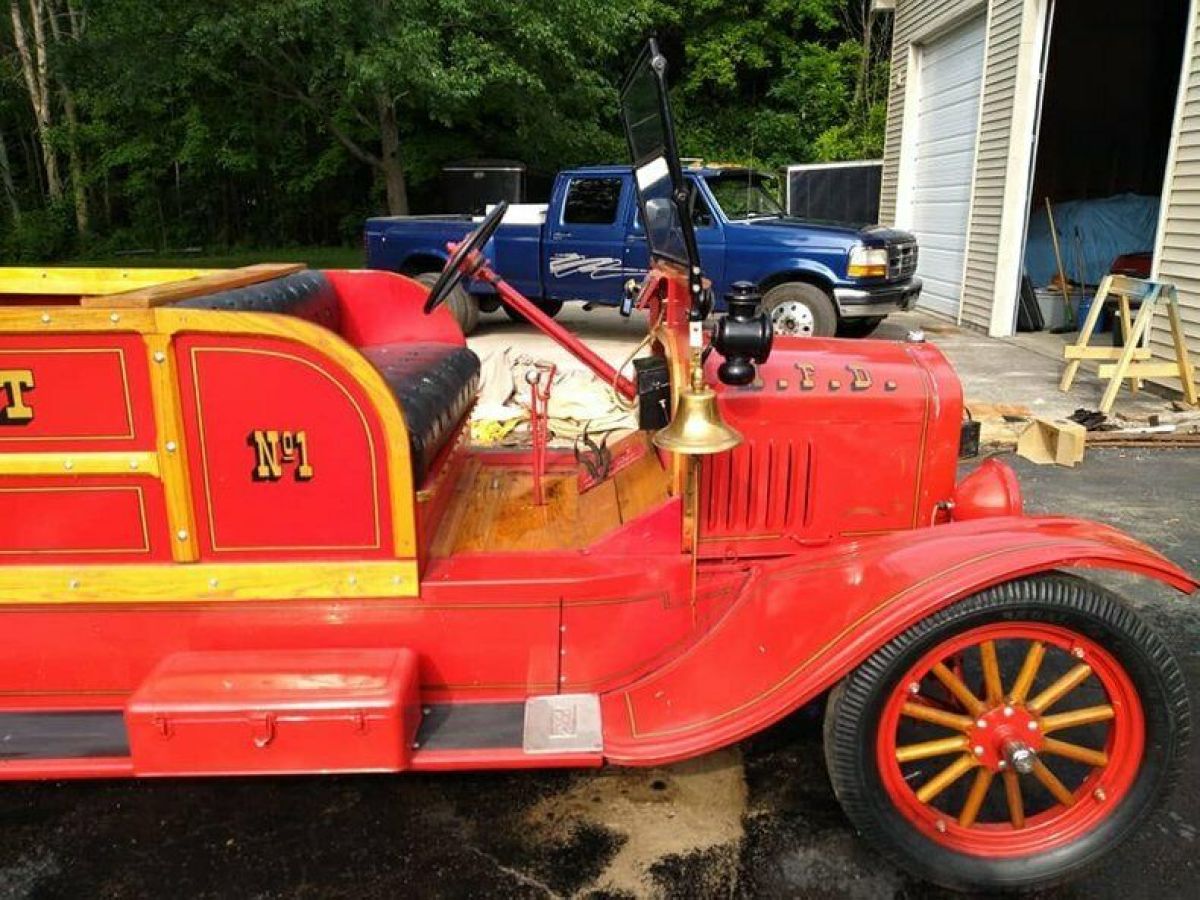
(697, 427)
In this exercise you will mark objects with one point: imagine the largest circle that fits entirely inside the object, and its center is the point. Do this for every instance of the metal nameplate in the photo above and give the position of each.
(563, 723)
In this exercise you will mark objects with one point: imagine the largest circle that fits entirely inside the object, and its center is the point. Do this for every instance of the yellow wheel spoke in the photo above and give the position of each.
(1029, 670)
(1012, 793)
(945, 778)
(1052, 784)
(983, 780)
(931, 748)
(937, 716)
(961, 692)
(1060, 688)
(1088, 716)
(993, 686)
(1073, 751)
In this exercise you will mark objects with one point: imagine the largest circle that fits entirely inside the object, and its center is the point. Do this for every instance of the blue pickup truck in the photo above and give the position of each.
(587, 243)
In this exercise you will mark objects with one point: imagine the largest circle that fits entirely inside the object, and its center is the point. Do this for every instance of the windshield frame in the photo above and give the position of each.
(652, 62)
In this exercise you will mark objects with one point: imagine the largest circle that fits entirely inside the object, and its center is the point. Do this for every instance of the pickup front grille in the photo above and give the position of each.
(902, 260)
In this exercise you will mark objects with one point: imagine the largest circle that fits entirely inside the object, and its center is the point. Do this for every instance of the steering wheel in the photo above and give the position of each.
(460, 262)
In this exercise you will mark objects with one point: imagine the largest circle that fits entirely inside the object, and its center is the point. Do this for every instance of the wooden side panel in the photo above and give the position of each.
(287, 456)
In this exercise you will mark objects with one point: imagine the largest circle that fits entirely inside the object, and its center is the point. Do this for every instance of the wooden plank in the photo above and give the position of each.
(1144, 370)
(162, 294)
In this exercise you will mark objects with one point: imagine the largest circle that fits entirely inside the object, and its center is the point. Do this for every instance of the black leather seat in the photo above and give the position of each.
(435, 384)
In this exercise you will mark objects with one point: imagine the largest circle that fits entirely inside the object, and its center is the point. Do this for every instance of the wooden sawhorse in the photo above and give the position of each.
(1133, 360)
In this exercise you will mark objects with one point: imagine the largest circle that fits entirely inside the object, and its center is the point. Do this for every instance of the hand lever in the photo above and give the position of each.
(539, 423)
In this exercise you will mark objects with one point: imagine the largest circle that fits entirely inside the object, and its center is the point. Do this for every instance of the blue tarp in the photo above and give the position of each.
(1107, 228)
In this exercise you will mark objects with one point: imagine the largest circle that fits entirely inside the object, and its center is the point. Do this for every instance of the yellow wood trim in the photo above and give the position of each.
(1073, 352)
(396, 443)
(172, 448)
(127, 463)
(78, 281)
(55, 319)
(220, 280)
(208, 582)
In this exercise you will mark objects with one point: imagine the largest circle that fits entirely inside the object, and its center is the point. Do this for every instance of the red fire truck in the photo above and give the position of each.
(243, 531)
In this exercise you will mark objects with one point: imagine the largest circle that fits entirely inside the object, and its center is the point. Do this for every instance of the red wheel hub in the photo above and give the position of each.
(1002, 727)
(1008, 761)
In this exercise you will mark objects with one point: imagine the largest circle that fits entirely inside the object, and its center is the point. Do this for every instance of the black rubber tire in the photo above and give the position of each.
(855, 705)
(460, 303)
(816, 299)
(550, 307)
(858, 328)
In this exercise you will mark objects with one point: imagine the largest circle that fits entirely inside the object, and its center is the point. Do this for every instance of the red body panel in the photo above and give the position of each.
(801, 623)
(341, 510)
(841, 439)
(82, 519)
(91, 393)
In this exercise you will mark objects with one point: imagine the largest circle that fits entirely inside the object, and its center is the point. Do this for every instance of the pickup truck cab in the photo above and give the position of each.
(818, 279)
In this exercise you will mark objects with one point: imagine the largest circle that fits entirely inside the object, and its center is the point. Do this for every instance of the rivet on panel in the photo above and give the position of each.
(68, 464)
(133, 464)
(182, 534)
(46, 318)
(159, 356)
(114, 318)
(172, 446)
(74, 583)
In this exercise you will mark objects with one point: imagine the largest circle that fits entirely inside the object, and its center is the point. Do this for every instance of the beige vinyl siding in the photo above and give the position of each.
(915, 22)
(991, 161)
(1179, 242)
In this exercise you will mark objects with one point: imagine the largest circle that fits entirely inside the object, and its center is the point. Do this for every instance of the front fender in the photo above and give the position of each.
(800, 624)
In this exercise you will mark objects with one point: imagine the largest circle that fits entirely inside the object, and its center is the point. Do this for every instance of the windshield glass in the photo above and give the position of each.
(745, 195)
(655, 159)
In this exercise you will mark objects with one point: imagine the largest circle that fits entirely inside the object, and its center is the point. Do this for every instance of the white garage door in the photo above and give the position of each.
(951, 72)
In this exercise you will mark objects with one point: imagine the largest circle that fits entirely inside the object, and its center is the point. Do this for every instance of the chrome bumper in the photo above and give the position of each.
(866, 302)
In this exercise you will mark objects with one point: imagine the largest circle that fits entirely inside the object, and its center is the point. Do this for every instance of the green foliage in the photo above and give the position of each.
(262, 122)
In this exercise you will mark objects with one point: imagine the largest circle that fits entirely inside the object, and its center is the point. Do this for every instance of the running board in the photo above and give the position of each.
(555, 729)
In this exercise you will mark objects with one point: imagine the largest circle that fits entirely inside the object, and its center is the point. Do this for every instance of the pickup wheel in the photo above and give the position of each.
(858, 328)
(461, 304)
(550, 307)
(1010, 741)
(799, 309)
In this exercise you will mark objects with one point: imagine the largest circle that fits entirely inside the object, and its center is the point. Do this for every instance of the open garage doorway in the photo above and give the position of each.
(1107, 111)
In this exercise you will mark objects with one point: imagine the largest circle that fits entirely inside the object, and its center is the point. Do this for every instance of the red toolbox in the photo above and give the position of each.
(279, 711)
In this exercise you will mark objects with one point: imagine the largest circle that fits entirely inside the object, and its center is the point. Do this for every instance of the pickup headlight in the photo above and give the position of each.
(868, 262)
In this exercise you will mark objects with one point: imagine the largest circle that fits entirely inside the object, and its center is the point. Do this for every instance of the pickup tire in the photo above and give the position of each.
(461, 304)
(859, 328)
(550, 307)
(800, 309)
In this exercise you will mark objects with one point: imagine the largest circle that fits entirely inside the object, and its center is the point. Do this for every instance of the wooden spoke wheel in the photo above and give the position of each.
(1012, 739)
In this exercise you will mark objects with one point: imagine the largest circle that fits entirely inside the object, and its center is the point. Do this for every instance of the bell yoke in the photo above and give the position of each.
(245, 532)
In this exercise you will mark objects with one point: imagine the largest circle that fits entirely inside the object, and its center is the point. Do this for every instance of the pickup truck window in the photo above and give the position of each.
(745, 195)
(592, 201)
